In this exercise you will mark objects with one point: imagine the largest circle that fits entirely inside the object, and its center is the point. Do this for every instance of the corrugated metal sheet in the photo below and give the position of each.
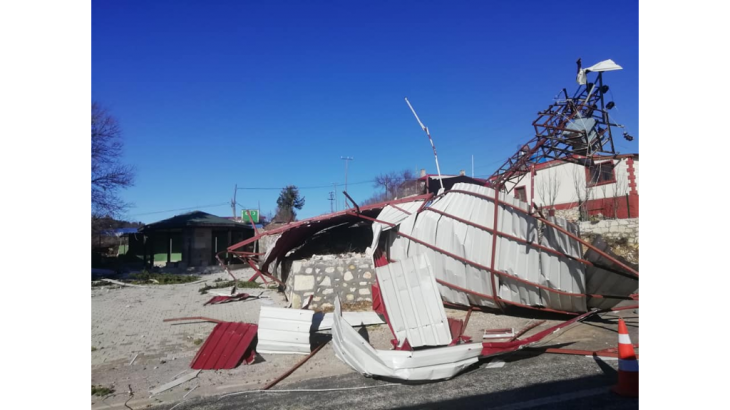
(393, 215)
(413, 303)
(475, 244)
(353, 318)
(284, 331)
(602, 281)
(430, 364)
(227, 345)
(560, 272)
(515, 258)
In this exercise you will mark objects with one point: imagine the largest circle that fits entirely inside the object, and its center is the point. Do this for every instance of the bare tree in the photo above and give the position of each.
(108, 174)
(620, 190)
(583, 190)
(389, 181)
(549, 187)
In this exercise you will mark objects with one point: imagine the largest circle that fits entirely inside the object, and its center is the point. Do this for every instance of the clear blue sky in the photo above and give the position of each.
(264, 94)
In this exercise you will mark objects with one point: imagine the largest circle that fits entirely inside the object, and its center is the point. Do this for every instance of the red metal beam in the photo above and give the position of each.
(477, 265)
(401, 209)
(508, 236)
(496, 299)
(424, 197)
(206, 319)
(296, 366)
(482, 295)
(492, 348)
(604, 352)
(600, 252)
(560, 229)
(527, 329)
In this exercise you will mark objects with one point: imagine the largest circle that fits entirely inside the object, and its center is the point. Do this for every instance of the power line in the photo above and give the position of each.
(308, 187)
(184, 209)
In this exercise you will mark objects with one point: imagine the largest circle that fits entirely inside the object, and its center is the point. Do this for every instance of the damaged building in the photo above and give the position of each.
(456, 241)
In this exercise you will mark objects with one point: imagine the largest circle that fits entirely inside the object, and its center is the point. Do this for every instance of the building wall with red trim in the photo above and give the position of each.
(560, 185)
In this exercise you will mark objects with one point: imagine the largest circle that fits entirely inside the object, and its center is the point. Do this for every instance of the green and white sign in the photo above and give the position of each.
(254, 215)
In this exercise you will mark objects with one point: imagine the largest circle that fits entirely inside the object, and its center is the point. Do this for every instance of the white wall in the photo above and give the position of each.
(563, 182)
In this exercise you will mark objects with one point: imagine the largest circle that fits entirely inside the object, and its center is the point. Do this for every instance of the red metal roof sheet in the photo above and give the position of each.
(228, 343)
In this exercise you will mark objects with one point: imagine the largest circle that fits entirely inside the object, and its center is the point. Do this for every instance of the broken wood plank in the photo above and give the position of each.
(175, 382)
(116, 282)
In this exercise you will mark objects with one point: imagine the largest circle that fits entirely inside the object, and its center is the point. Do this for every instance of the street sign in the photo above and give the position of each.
(254, 215)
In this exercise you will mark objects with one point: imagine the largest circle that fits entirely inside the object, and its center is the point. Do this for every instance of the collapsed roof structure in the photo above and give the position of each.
(475, 245)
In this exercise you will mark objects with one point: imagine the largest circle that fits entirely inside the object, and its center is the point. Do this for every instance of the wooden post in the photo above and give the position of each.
(169, 247)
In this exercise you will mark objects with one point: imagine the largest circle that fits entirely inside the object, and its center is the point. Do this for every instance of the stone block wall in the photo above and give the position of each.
(325, 276)
(613, 229)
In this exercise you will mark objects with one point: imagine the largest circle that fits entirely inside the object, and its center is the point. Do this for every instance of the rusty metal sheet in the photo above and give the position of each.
(227, 345)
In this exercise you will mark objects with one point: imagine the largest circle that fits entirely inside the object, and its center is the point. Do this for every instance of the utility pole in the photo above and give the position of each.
(472, 166)
(233, 201)
(337, 202)
(347, 161)
(331, 199)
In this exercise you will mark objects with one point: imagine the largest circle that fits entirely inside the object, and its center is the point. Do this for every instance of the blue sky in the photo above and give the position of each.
(265, 94)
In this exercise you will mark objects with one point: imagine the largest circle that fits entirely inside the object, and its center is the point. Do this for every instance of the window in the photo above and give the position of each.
(521, 193)
(600, 174)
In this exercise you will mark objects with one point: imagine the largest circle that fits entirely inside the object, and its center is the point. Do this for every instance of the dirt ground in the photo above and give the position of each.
(133, 348)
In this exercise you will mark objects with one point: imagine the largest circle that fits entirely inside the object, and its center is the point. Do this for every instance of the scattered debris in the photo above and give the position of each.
(428, 364)
(324, 321)
(284, 330)
(228, 284)
(134, 358)
(296, 366)
(205, 319)
(145, 277)
(495, 364)
(228, 344)
(116, 282)
(190, 391)
(101, 390)
(131, 394)
(198, 342)
(226, 299)
(499, 333)
(174, 383)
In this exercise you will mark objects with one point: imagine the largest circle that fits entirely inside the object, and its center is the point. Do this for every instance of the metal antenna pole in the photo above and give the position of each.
(425, 129)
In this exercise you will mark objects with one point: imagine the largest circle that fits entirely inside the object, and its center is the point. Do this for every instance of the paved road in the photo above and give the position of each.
(527, 380)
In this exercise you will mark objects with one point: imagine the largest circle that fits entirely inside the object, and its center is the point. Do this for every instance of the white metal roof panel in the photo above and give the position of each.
(413, 302)
(284, 330)
(561, 272)
(605, 282)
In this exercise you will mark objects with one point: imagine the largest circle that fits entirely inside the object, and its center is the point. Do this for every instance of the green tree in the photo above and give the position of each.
(288, 201)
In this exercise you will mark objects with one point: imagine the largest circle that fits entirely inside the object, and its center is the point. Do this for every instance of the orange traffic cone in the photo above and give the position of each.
(628, 366)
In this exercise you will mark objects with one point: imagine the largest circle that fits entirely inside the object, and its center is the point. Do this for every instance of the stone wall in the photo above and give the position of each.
(267, 242)
(572, 214)
(325, 276)
(613, 229)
